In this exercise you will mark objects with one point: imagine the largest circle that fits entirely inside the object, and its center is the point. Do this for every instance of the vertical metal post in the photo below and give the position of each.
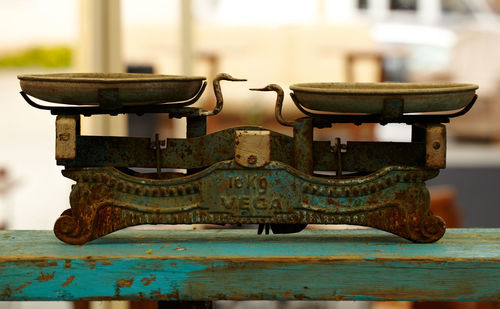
(303, 145)
(196, 126)
(417, 133)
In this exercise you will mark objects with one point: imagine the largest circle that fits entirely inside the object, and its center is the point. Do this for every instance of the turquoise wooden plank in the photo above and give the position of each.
(237, 264)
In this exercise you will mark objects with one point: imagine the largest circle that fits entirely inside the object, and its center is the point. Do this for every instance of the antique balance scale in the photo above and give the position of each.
(248, 175)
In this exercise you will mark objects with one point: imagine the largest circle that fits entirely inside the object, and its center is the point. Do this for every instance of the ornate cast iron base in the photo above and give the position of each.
(393, 199)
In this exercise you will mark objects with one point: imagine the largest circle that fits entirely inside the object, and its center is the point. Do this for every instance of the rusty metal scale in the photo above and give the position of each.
(249, 175)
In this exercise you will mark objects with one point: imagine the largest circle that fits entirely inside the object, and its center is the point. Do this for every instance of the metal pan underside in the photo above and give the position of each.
(370, 97)
(126, 88)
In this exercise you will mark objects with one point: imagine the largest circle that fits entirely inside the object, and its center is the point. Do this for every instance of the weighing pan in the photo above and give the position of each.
(370, 97)
(124, 88)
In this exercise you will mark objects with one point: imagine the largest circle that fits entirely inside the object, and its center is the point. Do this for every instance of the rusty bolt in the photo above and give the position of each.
(436, 145)
(252, 159)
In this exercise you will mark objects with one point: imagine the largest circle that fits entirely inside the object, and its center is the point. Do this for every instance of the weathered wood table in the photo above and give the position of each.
(238, 264)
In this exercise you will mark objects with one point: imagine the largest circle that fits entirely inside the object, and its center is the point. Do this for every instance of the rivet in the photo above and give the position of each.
(338, 192)
(331, 192)
(163, 191)
(355, 190)
(104, 178)
(156, 192)
(172, 192)
(180, 190)
(138, 190)
(364, 189)
(436, 145)
(252, 159)
(322, 191)
(96, 178)
(380, 185)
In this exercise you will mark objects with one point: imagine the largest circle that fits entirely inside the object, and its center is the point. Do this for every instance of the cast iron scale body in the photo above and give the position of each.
(248, 175)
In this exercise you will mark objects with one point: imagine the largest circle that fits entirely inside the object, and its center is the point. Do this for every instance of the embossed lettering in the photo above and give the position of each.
(261, 203)
(250, 182)
(228, 201)
(262, 185)
(275, 204)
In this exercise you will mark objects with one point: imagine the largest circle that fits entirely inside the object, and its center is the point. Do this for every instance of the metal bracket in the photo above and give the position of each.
(175, 109)
(109, 98)
(67, 129)
(326, 120)
(392, 110)
(252, 148)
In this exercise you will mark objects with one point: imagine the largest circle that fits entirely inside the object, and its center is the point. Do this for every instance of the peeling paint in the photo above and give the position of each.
(68, 281)
(146, 281)
(45, 276)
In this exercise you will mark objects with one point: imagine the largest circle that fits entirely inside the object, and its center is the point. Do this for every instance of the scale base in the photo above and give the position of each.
(394, 199)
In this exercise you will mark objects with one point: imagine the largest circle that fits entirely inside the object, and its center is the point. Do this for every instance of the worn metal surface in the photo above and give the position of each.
(280, 95)
(303, 145)
(370, 97)
(252, 148)
(203, 151)
(252, 175)
(326, 120)
(239, 265)
(174, 109)
(67, 130)
(393, 199)
(435, 146)
(110, 89)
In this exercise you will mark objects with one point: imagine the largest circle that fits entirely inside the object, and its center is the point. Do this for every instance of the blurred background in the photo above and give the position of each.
(282, 42)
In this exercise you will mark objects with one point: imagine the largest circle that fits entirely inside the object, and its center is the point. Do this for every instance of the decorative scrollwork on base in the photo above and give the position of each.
(105, 200)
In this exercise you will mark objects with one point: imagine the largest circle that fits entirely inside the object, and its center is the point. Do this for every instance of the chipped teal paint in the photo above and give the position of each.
(237, 264)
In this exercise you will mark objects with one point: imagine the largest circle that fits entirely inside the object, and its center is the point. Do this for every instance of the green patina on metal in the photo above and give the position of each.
(251, 174)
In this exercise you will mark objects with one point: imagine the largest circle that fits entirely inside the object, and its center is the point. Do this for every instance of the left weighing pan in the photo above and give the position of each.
(127, 88)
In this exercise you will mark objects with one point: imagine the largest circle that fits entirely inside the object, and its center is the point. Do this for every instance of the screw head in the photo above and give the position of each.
(436, 145)
(252, 159)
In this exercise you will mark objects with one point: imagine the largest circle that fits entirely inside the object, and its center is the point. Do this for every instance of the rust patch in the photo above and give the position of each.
(46, 264)
(147, 281)
(91, 263)
(67, 264)
(68, 281)
(157, 295)
(7, 293)
(168, 243)
(45, 276)
(287, 294)
(125, 283)
(22, 286)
